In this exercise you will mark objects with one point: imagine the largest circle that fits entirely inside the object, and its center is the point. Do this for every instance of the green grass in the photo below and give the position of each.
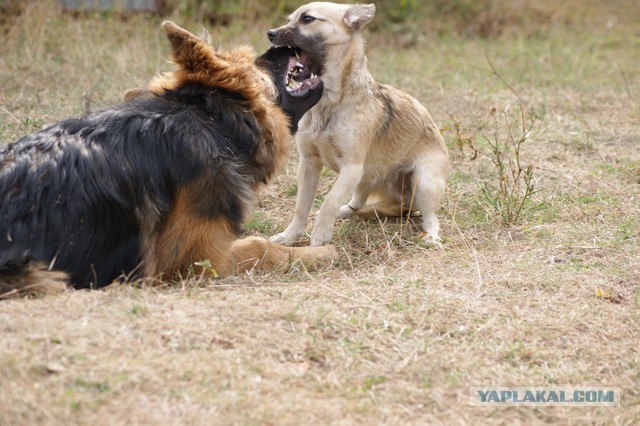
(260, 223)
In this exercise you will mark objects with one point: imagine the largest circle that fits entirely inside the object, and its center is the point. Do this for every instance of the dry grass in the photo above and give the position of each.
(396, 333)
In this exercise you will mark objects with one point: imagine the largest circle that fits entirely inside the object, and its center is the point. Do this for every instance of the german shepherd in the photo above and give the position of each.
(158, 184)
(389, 153)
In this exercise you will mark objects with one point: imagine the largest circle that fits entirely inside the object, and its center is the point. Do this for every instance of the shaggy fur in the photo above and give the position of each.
(155, 184)
(389, 153)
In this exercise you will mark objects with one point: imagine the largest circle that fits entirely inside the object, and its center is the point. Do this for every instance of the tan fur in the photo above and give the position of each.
(36, 281)
(379, 205)
(256, 252)
(187, 237)
(199, 62)
(133, 93)
(372, 134)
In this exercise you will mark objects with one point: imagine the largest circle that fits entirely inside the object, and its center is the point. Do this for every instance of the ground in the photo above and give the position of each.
(396, 332)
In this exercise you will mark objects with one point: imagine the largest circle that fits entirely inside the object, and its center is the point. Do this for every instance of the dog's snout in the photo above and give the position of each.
(272, 34)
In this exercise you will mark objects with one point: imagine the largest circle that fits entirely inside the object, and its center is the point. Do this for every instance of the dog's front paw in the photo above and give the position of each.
(284, 239)
(431, 241)
(321, 237)
(315, 258)
(328, 254)
(345, 212)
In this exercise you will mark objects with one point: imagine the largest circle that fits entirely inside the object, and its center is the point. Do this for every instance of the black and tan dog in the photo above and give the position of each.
(158, 183)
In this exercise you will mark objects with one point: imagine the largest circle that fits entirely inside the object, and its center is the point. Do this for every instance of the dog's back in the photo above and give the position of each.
(157, 184)
(76, 195)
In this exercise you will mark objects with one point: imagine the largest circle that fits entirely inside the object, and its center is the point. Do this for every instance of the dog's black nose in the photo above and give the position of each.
(272, 34)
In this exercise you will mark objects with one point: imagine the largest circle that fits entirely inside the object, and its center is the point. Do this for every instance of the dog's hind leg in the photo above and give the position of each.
(429, 175)
(187, 236)
(391, 198)
(357, 202)
(258, 253)
(308, 178)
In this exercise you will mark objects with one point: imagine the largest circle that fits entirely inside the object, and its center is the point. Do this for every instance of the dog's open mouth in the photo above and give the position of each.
(300, 78)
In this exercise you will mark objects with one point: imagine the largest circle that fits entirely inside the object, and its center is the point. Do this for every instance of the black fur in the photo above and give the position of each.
(76, 195)
(273, 60)
(382, 93)
(313, 45)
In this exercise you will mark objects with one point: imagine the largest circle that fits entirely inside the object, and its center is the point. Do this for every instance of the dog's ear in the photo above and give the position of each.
(187, 50)
(359, 15)
(133, 93)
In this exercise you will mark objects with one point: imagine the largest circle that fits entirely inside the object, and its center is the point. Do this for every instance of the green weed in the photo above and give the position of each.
(371, 381)
(513, 185)
(136, 310)
(261, 223)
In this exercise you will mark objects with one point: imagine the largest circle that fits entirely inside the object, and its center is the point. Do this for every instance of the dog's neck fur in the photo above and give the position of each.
(340, 74)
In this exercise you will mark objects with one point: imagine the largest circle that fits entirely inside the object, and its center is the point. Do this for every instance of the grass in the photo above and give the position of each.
(514, 182)
(396, 333)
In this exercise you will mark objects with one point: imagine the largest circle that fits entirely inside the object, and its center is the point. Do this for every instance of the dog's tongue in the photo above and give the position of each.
(292, 62)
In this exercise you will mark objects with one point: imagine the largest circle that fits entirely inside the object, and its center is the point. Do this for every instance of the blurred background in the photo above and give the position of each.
(58, 56)
(483, 18)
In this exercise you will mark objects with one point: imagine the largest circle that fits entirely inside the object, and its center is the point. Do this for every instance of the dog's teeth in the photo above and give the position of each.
(297, 55)
(298, 64)
(313, 75)
(293, 86)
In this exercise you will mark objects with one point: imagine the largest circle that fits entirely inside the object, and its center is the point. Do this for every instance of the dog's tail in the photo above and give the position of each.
(26, 278)
(381, 209)
(381, 205)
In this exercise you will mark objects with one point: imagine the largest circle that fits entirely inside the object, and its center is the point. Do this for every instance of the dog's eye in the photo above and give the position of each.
(308, 19)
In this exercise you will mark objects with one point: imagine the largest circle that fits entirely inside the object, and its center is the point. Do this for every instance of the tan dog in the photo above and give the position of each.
(389, 153)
